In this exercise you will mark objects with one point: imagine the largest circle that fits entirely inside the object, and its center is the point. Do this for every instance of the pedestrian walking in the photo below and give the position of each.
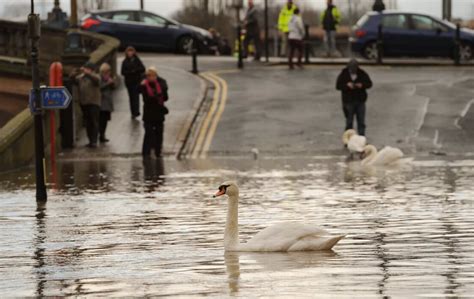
(353, 83)
(133, 70)
(108, 82)
(252, 29)
(378, 6)
(330, 19)
(88, 83)
(284, 18)
(295, 37)
(155, 93)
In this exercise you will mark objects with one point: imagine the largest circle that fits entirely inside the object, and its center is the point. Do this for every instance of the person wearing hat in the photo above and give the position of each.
(88, 83)
(353, 83)
(133, 70)
(108, 82)
(155, 93)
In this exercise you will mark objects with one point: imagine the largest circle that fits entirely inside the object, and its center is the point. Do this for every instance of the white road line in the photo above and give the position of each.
(462, 114)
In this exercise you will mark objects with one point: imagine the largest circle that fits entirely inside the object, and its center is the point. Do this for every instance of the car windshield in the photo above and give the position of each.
(362, 21)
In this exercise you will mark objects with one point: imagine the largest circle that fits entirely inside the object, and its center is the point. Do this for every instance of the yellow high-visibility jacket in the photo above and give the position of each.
(335, 13)
(285, 17)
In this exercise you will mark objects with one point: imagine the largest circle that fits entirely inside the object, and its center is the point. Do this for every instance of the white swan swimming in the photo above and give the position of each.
(288, 236)
(355, 142)
(388, 155)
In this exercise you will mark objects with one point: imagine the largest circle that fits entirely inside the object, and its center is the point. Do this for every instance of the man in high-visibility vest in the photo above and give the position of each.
(284, 19)
(330, 19)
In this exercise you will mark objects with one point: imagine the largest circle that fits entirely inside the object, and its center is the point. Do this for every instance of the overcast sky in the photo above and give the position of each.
(461, 8)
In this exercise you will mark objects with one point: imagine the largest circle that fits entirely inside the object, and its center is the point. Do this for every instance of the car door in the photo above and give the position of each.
(396, 34)
(125, 28)
(431, 37)
(157, 32)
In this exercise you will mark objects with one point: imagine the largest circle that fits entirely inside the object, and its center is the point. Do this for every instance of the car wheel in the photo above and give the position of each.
(465, 52)
(185, 45)
(370, 51)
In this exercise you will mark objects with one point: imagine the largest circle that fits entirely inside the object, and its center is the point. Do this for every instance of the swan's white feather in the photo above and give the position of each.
(387, 155)
(356, 143)
(291, 236)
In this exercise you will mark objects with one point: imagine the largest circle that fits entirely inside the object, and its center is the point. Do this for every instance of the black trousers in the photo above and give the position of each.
(103, 120)
(295, 45)
(153, 138)
(134, 97)
(358, 110)
(91, 115)
(256, 40)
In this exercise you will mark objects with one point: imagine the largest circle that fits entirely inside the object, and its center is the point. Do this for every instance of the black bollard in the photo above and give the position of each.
(380, 44)
(240, 62)
(306, 44)
(194, 53)
(457, 45)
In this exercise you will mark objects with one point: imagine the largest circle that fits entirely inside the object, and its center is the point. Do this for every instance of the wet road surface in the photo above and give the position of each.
(118, 227)
(278, 111)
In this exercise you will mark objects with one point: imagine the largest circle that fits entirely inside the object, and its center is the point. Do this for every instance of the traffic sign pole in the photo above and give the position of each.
(34, 29)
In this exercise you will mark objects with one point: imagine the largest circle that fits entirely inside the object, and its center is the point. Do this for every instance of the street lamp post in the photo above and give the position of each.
(73, 19)
(266, 32)
(142, 5)
(34, 32)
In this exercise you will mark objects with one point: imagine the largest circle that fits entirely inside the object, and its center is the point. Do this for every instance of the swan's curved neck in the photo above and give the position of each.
(231, 234)
(372, 153)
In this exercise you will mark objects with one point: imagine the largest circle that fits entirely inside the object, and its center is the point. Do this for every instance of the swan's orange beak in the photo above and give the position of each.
(219, 193)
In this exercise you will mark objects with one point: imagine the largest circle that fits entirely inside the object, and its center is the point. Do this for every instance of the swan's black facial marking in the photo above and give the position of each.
(223, 188)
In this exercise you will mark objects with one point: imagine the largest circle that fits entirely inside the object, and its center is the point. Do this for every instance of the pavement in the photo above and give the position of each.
(126, 134)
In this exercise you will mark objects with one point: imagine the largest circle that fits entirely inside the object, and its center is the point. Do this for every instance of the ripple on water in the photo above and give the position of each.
(129, 230)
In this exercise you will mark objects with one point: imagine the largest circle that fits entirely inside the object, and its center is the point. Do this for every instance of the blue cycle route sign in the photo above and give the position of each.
(51, 98)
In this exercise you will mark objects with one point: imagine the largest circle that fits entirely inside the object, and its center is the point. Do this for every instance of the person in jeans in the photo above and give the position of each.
(88, 86)
(295, 38)
(252, 30)
(330, 18)
(133, 70)
(353, 83)
(155, 93)
(107, 85)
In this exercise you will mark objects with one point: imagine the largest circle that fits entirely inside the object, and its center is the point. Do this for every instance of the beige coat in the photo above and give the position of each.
(89, 89)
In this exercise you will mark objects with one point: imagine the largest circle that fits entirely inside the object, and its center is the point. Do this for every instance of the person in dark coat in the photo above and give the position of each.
(133, 70)
(155, 93)
(378, 6)
(108, 82)
(252, 30)
(353, 83)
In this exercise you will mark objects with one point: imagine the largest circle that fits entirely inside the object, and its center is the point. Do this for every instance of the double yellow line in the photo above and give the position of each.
(209, 125)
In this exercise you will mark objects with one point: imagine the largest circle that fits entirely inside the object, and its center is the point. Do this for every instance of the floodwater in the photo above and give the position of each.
(117, 227)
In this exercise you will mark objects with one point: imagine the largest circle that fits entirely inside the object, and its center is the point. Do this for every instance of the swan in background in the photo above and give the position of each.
(288, 236)
(355, 142)
(387, 156)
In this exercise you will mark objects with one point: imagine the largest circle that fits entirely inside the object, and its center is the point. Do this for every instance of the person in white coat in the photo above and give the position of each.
(295, 38)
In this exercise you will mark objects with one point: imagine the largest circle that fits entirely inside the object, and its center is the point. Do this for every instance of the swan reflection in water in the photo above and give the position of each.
(271, 262)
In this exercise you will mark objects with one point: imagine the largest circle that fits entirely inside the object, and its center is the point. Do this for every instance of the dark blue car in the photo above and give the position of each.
(146, 30)
(409, 34)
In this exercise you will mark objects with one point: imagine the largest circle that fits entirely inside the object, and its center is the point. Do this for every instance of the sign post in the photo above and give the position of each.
(34, 32)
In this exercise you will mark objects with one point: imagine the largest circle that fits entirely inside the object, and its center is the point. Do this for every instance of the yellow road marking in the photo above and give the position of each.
(204, 128)
(217, 117)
